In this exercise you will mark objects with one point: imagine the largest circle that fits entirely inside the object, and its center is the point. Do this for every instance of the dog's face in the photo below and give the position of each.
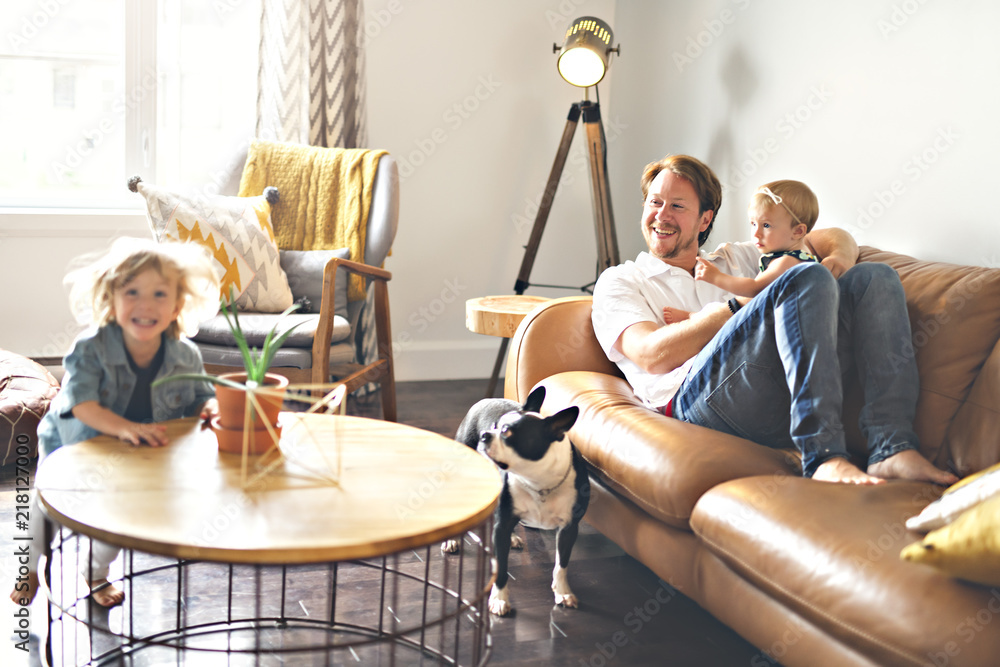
(518, 439)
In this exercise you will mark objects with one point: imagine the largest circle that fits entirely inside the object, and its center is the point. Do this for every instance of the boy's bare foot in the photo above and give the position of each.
(910, 464)
(843, 471)
(105, 593)
(23, 596)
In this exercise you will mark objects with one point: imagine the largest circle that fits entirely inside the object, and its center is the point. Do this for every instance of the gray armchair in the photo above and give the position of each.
(348, 342)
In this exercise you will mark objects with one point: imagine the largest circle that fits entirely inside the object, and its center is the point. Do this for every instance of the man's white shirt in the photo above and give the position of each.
(638, 291)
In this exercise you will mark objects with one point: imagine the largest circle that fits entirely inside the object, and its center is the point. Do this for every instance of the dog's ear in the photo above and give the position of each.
(562, 421)
(535, 398)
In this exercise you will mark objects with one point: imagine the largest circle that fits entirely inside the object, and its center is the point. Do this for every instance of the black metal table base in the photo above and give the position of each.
(414, 607)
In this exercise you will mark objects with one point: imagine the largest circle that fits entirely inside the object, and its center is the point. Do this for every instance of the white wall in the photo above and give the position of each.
(466, 95)
(887, 109)
(847, 97)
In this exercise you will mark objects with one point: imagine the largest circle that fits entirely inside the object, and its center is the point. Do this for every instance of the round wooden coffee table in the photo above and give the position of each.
(332, 552)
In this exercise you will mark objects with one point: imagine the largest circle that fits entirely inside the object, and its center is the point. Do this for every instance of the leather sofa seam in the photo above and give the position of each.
(812, 607)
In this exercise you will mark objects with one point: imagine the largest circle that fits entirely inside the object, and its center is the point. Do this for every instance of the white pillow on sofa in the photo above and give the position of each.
(959, 497)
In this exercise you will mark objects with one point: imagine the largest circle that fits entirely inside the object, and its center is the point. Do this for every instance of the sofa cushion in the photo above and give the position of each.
(659, 463)
(830, 553)
(972, 443)
(255, 326)
(956, 324)
(304, 269)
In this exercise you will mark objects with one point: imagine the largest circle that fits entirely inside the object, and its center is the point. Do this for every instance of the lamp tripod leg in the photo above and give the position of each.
(604, 221)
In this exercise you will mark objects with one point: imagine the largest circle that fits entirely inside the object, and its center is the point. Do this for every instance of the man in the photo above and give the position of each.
(767, 369)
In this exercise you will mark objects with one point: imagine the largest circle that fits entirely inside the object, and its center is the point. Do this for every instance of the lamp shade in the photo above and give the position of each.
(585, 52)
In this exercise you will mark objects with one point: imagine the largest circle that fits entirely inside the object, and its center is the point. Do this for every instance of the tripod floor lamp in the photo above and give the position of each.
(583, 59)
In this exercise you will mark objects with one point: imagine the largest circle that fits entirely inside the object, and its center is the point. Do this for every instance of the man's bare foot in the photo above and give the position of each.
(24, 591)
(910, 464)
(843, 471)
(105, 593)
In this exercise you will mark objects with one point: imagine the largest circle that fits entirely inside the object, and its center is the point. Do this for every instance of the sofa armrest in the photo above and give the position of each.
(555, 337)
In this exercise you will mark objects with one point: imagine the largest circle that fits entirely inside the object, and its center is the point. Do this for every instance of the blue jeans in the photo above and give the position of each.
(774, 374)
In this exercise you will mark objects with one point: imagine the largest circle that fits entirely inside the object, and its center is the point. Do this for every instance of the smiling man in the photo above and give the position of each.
(766, 369)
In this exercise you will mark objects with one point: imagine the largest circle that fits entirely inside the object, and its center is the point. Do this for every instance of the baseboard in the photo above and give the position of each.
(446, 360)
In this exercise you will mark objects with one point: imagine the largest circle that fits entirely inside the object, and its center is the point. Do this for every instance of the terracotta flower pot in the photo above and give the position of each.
(231, 440)
(233, 402)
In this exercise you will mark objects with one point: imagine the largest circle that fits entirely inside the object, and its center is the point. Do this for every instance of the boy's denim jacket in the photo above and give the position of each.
(97, 369)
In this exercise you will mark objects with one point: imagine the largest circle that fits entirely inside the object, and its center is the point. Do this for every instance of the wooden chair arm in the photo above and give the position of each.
(382, 368)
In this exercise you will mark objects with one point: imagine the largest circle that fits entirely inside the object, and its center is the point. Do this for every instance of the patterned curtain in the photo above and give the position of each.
(311, 76)
(311, 90)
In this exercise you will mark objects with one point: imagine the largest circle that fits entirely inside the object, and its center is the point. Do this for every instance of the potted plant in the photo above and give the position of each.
(236, 391)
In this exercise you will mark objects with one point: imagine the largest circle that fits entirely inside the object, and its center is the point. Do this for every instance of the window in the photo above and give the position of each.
(94, 92)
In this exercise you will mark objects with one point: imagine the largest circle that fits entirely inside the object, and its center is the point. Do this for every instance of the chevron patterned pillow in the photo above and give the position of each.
(238, 233)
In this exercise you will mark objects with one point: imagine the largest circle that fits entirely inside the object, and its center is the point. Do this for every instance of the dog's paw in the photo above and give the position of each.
(499, 601)
(560, 586)
(516, 541)
(451, 546)
(567, 600)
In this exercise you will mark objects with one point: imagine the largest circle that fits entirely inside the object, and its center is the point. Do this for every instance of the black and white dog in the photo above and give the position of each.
(545, 482)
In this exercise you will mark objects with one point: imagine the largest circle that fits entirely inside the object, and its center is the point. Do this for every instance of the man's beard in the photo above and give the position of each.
(682, 246)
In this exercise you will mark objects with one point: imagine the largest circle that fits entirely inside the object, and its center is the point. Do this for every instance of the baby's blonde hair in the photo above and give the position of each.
(794, 196)
(93, 285)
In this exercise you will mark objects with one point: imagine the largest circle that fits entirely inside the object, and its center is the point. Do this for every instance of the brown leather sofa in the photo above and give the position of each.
(807, 571)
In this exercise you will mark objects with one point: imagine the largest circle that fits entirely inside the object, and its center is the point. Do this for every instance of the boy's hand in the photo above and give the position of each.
(209, 411)
(154, 435)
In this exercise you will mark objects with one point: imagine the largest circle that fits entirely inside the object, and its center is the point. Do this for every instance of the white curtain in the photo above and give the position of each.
(311, 74)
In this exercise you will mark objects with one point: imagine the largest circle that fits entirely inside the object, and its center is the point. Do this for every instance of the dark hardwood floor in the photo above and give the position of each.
(627, 616)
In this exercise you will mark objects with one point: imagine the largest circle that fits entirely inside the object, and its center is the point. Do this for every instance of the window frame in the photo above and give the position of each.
(141, 83)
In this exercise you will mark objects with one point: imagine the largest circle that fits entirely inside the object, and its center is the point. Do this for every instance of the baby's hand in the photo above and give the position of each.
(671, 315)
(154, 435)
(705, 271)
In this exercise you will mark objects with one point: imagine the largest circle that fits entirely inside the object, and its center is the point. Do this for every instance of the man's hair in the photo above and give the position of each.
(794, 196)
(706, 184)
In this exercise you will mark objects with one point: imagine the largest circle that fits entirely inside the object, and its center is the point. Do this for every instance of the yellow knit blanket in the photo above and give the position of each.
(325, 195)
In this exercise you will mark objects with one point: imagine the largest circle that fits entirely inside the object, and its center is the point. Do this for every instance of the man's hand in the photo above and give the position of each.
(837, 249)
(837, 265)
(660, 348)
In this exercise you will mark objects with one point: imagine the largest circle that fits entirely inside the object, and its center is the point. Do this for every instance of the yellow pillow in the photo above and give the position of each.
(967, 548)
(238, 233)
